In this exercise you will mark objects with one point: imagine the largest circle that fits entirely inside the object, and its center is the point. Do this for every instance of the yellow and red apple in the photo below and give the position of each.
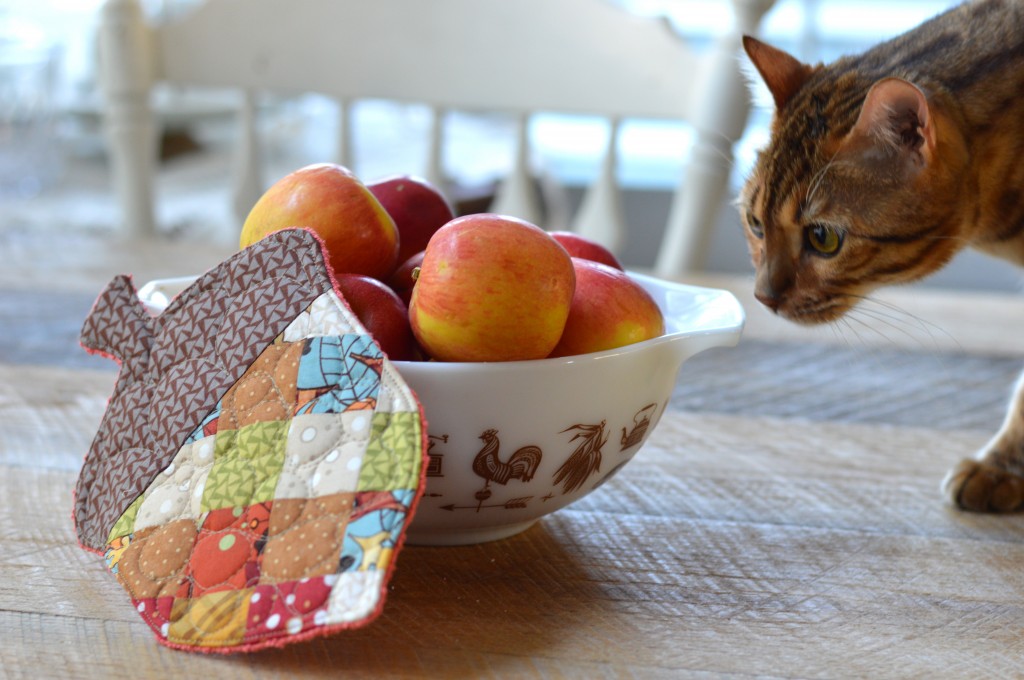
(359, 235)
(491, 288)
(609, 310)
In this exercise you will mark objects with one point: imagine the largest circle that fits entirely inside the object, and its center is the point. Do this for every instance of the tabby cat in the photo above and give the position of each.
(880, 167)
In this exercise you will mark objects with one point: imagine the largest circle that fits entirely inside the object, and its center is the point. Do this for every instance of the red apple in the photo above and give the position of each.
(491, 288)
(402, 280)
(382, 312)
(417, 207)
(585, 248)
(609, 310)
(358, 234)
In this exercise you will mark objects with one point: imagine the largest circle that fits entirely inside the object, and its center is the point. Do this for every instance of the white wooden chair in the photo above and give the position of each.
(517, 56)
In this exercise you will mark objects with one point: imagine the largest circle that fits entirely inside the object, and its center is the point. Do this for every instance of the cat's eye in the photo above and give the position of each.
(756, 228)
(824, 240)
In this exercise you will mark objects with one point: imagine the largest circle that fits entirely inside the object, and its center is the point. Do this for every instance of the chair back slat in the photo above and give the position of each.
(600, 215)
(246, 178)
(517, 194)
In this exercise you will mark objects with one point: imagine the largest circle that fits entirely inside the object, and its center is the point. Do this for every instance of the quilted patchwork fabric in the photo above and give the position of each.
(259, 460)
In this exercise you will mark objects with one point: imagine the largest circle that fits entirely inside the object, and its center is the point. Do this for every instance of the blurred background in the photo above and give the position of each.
(54, 175)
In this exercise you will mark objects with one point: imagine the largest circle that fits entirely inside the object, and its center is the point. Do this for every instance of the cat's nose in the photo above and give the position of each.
(769, 298)
(773, 283)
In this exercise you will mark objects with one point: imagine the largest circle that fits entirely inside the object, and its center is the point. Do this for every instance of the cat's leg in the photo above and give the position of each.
(994, 481)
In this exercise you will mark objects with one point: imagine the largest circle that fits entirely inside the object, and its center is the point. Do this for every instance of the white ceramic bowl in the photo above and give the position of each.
(511, 442)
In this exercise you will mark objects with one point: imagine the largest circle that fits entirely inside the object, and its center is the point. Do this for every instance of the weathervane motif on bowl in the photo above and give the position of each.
(521, 465)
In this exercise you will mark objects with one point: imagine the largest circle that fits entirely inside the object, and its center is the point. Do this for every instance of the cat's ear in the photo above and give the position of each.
(782, 73)
(895, 118)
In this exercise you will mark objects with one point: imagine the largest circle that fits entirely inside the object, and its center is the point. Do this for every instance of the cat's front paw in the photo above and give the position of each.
(980, 487)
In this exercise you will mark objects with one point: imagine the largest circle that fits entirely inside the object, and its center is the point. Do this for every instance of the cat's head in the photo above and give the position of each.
(856, 188)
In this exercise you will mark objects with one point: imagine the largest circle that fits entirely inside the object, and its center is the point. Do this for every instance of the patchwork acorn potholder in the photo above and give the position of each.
(259, 459)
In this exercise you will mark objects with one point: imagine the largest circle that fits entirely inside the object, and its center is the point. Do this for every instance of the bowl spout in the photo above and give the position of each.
(696, 318)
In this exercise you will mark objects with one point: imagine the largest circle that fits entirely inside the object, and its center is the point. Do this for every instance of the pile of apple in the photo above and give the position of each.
(481, 287)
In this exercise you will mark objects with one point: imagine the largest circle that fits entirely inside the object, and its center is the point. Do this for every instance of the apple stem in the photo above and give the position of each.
(415, 273)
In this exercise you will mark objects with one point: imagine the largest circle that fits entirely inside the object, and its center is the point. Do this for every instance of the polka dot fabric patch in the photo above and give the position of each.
(259, 460)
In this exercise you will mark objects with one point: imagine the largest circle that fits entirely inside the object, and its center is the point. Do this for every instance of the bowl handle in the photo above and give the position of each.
(158, 293)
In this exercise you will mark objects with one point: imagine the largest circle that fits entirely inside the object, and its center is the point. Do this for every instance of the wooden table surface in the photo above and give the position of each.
(784, 519)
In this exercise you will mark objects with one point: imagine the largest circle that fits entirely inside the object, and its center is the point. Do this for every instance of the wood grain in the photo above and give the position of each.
(49, 415)
(728, 547)
(813, 383)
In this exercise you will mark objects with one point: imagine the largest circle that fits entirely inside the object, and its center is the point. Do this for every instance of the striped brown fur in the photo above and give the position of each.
(821, 168)
(881, 167)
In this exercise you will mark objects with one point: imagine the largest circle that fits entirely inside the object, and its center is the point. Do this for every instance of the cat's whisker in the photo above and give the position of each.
(843, 330)
(864, 349)
(898, 314)
(886, 320)
(724, 155)
(837, 327)
(852, 317)
(816, 182)
(834, 326)
(849, 326)
(901, 315)
(946, 237)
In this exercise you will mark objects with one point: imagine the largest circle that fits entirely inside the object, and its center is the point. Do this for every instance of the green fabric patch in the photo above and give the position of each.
(392, 459)
(247, 465)
(125, 524)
